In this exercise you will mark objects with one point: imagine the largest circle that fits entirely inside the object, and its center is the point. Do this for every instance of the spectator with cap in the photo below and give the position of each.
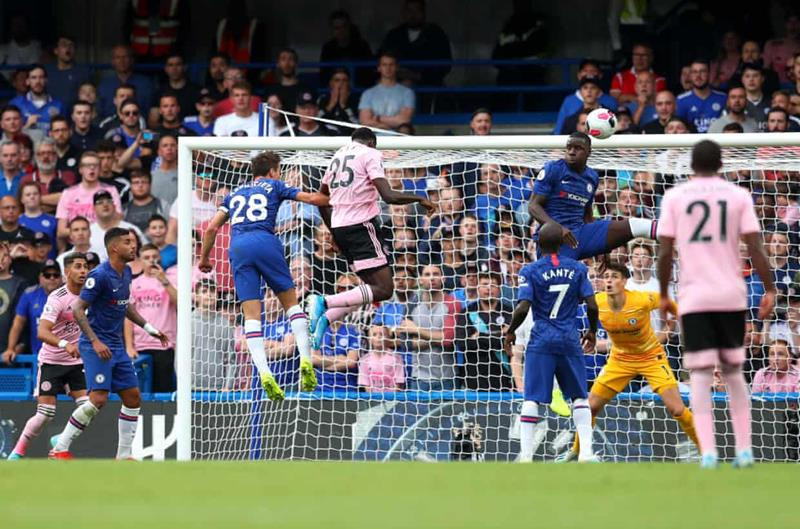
(202, 124)
(340, 104)
(164, 178)
(169, 117)
(28, 309)
(623, 84)
(177, 84)
(307, 109)
(590, 91)
(64, 77)
(143, 205)
(85, 134)
(78, 200)
(735, 112)
(50, 180)
(388, 104)
(22, 254)
(481, 122)
(243, 121)
(11, 173)
(625, 124)
(574, 102)
(122, 65)
(42, 247)
(37, 106)
(11, 288)
(782, 374)
(701, 105)
(106, 217)
(78, 239)
(34, 218)
(68, 154)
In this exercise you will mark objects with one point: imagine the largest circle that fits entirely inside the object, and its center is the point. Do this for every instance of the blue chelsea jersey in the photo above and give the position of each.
(554, 286)
(107, 294)
(254, 207)
(701, 112)
(568, 193)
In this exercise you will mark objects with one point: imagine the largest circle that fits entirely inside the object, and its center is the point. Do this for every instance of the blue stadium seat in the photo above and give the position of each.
(16, 381)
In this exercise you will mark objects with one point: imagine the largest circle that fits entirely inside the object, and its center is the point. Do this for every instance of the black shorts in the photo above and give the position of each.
(713, 330)
(53, 378)
(363, 245)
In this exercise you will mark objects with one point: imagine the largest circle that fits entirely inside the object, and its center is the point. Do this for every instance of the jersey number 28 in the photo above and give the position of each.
(255, 208)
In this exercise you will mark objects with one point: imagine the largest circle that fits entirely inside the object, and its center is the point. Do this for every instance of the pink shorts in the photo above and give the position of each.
(709, 358)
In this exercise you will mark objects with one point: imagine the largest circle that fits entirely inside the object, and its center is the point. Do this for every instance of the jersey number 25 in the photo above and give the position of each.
(343, 175)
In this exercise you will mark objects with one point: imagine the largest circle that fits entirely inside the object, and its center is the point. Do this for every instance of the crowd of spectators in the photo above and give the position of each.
(81, 155)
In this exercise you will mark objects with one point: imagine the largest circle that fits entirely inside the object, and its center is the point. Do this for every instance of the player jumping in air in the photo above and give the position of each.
(635, 350)
(257, 255)
(60, 366)
(704, 219)
(563, 193)
(106, 363)
(355, 180)
(553, 287)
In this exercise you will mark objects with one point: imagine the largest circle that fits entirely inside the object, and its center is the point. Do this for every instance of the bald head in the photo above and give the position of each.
(550, 238)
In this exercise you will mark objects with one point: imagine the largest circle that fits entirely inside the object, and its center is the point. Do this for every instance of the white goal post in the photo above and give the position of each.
(761, 153)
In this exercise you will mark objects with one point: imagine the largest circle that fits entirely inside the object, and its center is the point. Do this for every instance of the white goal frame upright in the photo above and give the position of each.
(186, 145)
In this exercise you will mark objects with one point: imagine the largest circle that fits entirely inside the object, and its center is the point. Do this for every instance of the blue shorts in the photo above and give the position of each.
(592, 240)
(255, 257)
(569, 370)
(115, 374)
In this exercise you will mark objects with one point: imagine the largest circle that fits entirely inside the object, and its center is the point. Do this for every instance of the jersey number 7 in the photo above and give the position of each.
(562, 291)
(344, 177)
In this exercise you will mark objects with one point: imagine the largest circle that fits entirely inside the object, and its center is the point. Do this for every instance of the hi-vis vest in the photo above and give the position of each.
(154, 34)
(239, 50)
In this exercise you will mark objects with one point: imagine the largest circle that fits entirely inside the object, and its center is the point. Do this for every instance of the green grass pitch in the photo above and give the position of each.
(289, 495)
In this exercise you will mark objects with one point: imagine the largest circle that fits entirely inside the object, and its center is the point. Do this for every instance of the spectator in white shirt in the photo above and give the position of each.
(242, 121)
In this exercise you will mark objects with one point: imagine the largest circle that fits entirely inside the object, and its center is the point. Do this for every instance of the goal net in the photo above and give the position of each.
(423, 376)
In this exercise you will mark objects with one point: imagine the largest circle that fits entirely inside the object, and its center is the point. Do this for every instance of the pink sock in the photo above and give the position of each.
(355, 297)
(739, 404)
(339, 312)
(700, 399)
(44, 414)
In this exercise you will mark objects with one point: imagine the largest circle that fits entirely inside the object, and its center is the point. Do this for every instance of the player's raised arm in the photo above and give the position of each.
(536, 207)
(315, 199)
(209, 236)
(390, 196)
(755, 247)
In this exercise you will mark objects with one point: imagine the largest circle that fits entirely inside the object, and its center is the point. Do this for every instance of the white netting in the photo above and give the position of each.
(423, 375)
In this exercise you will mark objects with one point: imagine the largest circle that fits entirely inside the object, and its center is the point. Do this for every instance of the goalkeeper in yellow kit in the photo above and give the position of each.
(635, 350)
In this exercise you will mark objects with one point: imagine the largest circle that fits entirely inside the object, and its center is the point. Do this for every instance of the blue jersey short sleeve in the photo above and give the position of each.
(92, 286)
(525, 282)
(568, 192)
(543, 185)
(286, 192)
(585, 288)
(226, 204)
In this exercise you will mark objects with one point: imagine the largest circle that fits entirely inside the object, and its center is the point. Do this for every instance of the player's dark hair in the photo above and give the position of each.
(156, 217)
(113, 234)
(733, 127)
(482, 110)
(706, 157)
(582, 136)
(752, 66)
(72, 257)
(264, 162)
(550, 238)
(365, 136)
(617, 266)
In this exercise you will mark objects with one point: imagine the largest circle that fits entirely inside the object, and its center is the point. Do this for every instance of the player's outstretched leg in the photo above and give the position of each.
(254, 336)
(377, 285)
(528, 420)
(299, 323)
(674, 404)
(77, 423)
(700, 400)
(44, 414)
(622, 231)
(739, 398)
(582, 417)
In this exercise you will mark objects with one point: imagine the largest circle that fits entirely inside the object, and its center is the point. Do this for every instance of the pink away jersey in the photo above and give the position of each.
(381, 372)
(706, 217)
(78, 200)
(349, 178)
(151, 299)
(58, 311)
